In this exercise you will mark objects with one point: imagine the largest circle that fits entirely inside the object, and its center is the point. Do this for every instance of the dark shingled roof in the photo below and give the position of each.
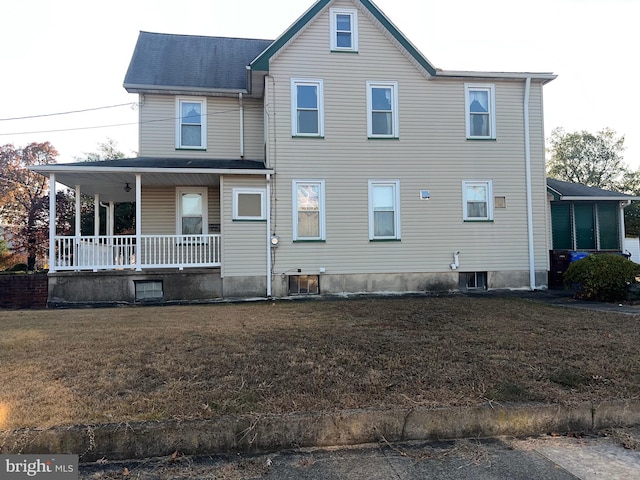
(568, 189)
(191, 61)
(153, 162)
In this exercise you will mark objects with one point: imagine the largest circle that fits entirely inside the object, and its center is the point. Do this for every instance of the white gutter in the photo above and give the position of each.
(268, 207)
(625, 198)
(44, 169)
(547, 76)
(181, 90)
(527, 158)
(241, 125)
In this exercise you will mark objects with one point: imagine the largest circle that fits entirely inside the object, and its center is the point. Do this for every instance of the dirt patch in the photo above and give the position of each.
(66, 367)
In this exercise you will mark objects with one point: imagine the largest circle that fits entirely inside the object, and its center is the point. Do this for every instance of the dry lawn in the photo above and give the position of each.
(65, 367)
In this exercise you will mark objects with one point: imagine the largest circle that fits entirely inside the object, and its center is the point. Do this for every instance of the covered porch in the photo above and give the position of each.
(194, 242)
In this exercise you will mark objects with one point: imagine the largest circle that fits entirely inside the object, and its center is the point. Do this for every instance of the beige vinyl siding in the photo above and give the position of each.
(244, 244)
(158, 128)
(159, 209)
(432, 153)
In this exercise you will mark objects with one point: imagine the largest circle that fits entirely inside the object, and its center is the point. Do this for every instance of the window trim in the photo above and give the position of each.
(316, 82)
(236, 217)
(353, 13)
(395, 131)
(396, 185)
(488, 184)
(203, 125)
(485, 87)
(205, 214)
(322, 226)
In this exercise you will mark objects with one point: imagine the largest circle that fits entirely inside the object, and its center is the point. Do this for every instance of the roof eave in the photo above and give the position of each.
(544, 76)
(578, 198)
(61, 168)
(182, 90)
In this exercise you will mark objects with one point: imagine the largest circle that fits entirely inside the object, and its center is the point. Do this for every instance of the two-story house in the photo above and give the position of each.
(336, 159)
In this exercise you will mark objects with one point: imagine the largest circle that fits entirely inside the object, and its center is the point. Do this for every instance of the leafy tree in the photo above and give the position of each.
(107, 150)
(592, 160)
(24, 198)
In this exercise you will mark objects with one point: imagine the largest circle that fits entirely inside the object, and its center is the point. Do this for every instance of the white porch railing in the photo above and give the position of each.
(117, 252)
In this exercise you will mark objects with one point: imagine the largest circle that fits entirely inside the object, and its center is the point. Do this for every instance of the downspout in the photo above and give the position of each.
(527, 157)
(268, 179)
(52, 222)
(241, 125)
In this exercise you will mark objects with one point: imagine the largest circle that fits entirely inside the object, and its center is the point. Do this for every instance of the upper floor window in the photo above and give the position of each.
(344, 30)
(307, 109)
(308, 210)
(382, 109)
(191, 123)
(477, 200)
(191, 210)
(480, 111)
(384, 210)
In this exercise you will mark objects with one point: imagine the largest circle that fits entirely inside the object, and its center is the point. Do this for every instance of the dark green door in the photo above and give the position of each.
(608, 223)
(561, 226)
(585, 226)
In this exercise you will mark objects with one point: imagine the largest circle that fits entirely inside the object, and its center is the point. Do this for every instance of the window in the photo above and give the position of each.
(384, 210)
(480, 111)
(473, 281)
(191, 123)
(382, 109)
(148, 290)
(307, 116)
(344, 30)
(304, 285)
(249, 204)
(308, 210)
(477, 200)
(191, 210)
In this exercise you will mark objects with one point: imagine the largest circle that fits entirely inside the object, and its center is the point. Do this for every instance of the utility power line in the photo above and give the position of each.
(68, 113)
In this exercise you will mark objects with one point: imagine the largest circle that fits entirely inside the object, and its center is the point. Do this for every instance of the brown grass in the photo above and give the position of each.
(61, 367)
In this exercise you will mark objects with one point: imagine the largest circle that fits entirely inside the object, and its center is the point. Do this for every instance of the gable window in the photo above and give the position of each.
(308, 210)
(480, 111)
(191, 210)
(382, 109)
(307, 115)
(249, 204)
(191, 123)
(477, 200)
(384, 210)
(344, 30)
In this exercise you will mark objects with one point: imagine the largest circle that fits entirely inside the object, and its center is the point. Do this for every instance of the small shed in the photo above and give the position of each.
(583, 220)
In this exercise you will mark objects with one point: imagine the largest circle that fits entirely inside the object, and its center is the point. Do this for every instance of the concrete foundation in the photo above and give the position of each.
(119, 287)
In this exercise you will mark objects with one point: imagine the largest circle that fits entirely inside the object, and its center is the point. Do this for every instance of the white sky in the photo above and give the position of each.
(62, 55)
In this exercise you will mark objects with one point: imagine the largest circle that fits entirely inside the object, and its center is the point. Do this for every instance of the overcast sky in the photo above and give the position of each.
(65, 55)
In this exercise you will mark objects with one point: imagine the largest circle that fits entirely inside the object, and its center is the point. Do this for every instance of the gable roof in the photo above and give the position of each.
(261, 63)
(166, 62)
(576, 191)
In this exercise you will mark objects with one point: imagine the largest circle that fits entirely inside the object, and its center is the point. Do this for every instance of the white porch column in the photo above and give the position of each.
(112, 219)
(138, 222)
(78, 224)
(96, 215)
(52, 222)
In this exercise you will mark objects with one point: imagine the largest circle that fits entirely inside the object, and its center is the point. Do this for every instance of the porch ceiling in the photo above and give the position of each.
(108, 178)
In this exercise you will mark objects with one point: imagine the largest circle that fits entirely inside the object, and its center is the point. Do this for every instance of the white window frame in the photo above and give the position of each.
(250, 191)
(205, 214)
(321, 215)
(396, 186)
(395, 131)
(353, 13)
(488, 184)
(484, 87)
(203, 124)
(315, 82)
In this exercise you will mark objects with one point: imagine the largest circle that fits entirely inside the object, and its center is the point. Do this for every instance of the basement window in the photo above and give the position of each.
(473, 281)
(304, 285)
(147, 290)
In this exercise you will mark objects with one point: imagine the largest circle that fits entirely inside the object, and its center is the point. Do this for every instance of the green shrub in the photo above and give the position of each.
(18, 267)
(604, 277)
